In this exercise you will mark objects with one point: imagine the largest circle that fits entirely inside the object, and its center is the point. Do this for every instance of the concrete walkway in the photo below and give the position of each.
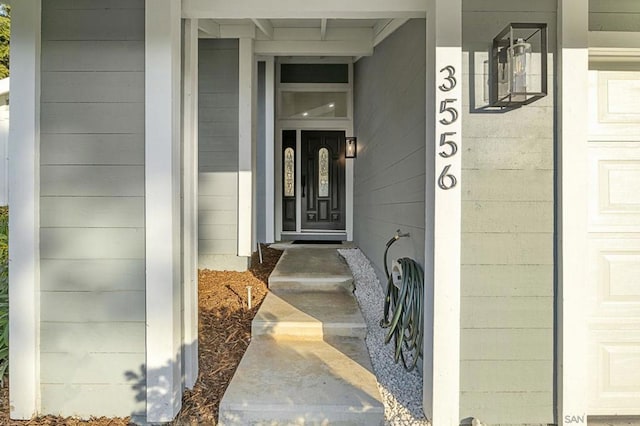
(307, 363)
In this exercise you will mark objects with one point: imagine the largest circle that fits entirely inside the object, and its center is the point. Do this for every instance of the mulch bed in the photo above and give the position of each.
(224, 334)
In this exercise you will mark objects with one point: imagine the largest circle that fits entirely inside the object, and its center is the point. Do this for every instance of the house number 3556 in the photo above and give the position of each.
(449, 115)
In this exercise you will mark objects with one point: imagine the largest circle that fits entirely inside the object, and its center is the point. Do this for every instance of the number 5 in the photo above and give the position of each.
(450, 110)
(452, 144)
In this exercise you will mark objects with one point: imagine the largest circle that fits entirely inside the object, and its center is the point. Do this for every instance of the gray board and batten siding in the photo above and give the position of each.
(389, 119)
(92, 207)
(218, 93)
(507, 271)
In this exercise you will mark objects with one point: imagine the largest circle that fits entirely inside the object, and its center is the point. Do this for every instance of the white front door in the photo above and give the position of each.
(613, 262)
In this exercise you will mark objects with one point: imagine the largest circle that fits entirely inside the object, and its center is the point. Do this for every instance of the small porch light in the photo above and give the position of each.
(519, 77)
(351, 149)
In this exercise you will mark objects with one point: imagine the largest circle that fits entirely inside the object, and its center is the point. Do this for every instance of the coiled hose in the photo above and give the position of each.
(404, 308)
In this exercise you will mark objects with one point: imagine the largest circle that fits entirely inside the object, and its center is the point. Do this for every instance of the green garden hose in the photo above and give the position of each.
(404, 309)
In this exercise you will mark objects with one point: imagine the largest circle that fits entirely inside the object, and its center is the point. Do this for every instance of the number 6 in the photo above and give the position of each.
(452, 179)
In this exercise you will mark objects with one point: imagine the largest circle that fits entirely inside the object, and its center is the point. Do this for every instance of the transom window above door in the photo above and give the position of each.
(313, 90)
(303, 105)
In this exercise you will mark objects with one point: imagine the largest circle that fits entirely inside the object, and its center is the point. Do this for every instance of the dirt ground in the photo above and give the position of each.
(224, 334)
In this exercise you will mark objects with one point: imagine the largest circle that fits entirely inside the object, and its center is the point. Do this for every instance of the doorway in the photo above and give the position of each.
(313, 181)
(323, 181)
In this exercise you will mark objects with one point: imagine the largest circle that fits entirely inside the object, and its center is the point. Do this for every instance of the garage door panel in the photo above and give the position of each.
(614, 273)
(615, 366)
(614, 202)
(617, 106)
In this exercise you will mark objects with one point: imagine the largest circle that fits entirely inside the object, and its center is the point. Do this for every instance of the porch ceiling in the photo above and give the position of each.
(305, 37)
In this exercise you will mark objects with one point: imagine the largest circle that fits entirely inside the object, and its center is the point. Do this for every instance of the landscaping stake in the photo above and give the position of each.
(249, 297)
(260, 252)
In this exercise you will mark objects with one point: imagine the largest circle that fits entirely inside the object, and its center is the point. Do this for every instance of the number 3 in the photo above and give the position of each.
(449, 69)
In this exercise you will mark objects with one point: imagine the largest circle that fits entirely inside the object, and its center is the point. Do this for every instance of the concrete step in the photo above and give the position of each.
(309, 315)
(303, 382)
(311, 269)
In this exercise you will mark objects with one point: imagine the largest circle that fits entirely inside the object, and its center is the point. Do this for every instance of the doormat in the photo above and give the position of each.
(317, 242)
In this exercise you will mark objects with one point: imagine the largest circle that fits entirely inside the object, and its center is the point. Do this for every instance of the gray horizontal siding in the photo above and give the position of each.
(93, 24)
(92, 306)
(64, 275)
(92, 243)
(61, 399)
(614, 15)
(92, 180)
(97, 55)
(85, 117)
(99, 368)
(97, 86)
(507, 270)
(93, 149)
(73, 337)
(389, 119)
(217, 151)
(91, 212)
(92, 207)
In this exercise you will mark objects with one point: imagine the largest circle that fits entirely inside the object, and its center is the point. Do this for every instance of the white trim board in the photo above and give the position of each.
(246, 129)
(614, 50)
(441, 391)
(282, 9)
(190, 201)
(162, 209)
(573, 85)
(24, 199)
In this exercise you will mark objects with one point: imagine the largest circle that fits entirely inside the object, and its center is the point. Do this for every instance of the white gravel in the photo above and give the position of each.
(401, 390)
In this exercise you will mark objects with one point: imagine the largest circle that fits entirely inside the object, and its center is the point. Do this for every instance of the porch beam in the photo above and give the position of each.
(210, 28)
(282, 9)
(572, 110)
(314, 48)
(24, 199)
(388, 29)
(441, 392)
(246, 74)
(190, 201)
(162, 209)
(238, 31)
(265, 26)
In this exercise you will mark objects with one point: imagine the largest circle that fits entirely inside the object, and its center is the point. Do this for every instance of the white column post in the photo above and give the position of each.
(442, 275)
(24, 213)
(246, 71)
(162, 207)
(190, 200)
(269, 122)
(573, 85)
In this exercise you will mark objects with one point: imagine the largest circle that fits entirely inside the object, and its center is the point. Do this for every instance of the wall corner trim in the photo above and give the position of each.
(162, 209)
(24, 199)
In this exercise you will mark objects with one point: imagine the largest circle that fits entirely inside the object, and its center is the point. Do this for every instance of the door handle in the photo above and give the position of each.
(303, 181)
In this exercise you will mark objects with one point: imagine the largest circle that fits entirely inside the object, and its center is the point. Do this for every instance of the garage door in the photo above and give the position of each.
(614, 243)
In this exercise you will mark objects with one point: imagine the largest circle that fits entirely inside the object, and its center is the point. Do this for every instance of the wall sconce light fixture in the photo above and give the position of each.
(351, 147)
(518, 76)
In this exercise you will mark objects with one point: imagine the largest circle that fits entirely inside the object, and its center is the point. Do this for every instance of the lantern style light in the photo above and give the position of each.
(351, 147)
(518, 79)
